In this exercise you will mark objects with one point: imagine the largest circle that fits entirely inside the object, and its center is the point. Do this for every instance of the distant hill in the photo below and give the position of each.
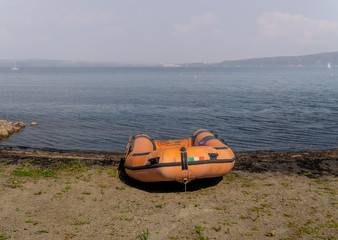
(320, 59)
(64, 63)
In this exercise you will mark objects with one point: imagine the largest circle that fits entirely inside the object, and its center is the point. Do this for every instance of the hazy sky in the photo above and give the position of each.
(149, 31)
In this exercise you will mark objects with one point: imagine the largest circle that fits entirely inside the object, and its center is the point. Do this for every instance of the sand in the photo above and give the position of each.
(83, 196)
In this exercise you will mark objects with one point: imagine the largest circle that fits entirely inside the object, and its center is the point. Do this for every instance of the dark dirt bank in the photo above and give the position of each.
(311, 163)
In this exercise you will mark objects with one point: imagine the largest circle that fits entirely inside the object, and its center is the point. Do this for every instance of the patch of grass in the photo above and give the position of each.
(4, 236)
(314, 210)
(129, 219)
(248, 185)
(79, 176)
(295, 199)
(248, 234)
(120, 188)
(285, 184)
(27, 164)
(221, 208)
(72, 166)
(308, 230)
(292, 225)
(80, 223)
(331, 224)
(112, 172)
(68, 187)
(230, 176)
(144, 235)
(38, 193)
(217, 229)
(34, 173)
(18, 184)
(42, 231)
(33, 222)
(86, 193)
(319, 181)
(47, 173)
(255, 209)
(23, 173)
(199, 229)
(270, 234)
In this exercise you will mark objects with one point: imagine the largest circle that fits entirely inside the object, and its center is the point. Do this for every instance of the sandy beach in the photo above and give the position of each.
(83, 196)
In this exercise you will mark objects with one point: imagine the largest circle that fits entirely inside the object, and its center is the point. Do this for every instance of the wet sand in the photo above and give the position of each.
(278, 195)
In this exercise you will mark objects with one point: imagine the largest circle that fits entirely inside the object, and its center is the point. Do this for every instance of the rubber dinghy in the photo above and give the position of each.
(183, 160)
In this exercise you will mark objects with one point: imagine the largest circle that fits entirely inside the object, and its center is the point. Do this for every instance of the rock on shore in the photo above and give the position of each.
(8, 128)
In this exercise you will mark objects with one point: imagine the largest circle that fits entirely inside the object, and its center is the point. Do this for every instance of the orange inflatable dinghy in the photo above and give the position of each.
(183, 160)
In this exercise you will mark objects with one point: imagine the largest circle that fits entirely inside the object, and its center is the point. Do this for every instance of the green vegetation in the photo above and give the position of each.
(79, 223)
(4, 236)
(33, 222)
(199, 229)
(221, 208)
(26, 170)
(217, 229)
(144, 235)
(270, 234)
(34, 173)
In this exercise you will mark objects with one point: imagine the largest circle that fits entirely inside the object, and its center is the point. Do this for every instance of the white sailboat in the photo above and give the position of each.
(329, 65)
(15, 67)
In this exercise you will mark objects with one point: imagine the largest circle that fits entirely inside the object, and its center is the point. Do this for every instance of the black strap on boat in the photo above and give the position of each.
(213, 156)
(141, 154)
(184, 158)
(206, 139)
(154, 145)
(175, 164)
(147, 137)
(141, 136)
(212, 161)
(154, 160)
(220, 148)
(198, 133)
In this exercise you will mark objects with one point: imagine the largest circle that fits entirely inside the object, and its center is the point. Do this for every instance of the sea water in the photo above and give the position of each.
(257, 108)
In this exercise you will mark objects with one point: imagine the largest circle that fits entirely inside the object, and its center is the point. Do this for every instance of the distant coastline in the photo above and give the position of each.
(320, 59)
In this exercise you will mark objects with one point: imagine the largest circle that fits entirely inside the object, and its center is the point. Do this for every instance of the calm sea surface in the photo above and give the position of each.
(285, 108)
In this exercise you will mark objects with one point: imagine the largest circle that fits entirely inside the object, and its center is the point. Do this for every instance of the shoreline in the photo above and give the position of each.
(309, 163)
